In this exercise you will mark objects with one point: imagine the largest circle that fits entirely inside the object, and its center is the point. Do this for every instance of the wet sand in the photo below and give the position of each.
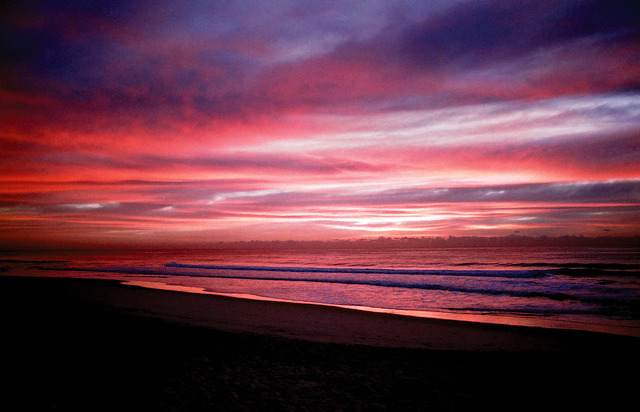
(72, 344)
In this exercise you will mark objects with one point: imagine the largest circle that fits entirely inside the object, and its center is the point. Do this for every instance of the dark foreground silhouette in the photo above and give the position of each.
(62, 351)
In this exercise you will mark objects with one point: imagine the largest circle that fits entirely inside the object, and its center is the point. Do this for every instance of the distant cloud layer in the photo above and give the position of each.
(125, 121)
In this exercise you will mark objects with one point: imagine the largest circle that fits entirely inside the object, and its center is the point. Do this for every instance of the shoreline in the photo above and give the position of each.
(520, 321)
(86, 344)
(321, 323)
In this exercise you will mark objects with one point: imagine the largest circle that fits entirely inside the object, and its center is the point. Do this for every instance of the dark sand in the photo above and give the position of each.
(73, 344)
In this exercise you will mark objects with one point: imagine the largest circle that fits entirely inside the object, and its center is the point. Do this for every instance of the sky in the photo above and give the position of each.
(127, 122)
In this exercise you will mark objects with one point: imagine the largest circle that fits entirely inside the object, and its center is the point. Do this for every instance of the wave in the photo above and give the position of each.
(569, 269)
(565, 269)
(581, 310)
(520, 274)
(606, 297)
(570, 265)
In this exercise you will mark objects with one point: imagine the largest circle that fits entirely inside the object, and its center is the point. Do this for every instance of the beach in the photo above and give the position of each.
(75, 344)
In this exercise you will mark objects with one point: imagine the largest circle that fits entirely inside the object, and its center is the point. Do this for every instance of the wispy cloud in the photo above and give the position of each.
(281, 119)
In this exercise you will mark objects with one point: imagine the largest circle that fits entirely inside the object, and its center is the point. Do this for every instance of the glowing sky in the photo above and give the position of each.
(195, 121)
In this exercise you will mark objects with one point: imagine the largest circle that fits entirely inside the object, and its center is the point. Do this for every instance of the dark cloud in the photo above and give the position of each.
(201, 61)
(481, 33)
(604, 19)
(598, 192)
(582, 155)
(622, 192)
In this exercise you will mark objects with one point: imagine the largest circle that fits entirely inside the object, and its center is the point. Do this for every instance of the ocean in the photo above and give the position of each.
(585, 288)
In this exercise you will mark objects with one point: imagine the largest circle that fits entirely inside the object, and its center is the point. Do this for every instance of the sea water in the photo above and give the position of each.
(594, 289)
